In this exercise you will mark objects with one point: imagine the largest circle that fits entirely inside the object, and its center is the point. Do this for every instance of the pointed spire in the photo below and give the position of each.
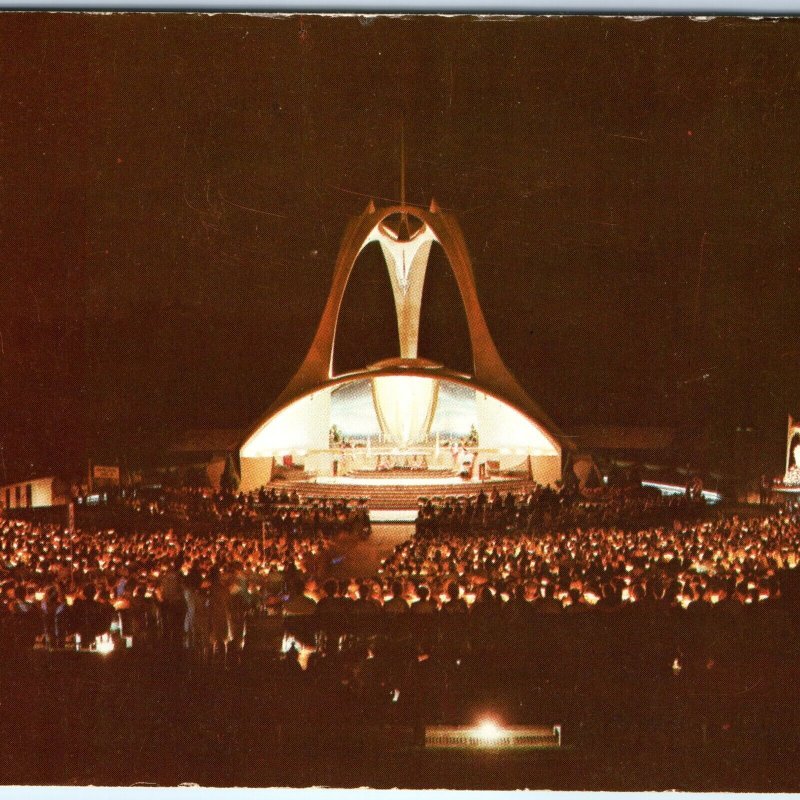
(370, 207)
(434, 207)
(402, 161)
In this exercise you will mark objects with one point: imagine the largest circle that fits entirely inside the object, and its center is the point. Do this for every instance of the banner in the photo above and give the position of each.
(101, 473)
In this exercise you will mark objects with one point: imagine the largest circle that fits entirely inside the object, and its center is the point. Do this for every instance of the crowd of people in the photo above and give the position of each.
(185, 588)
(283, 511)
(526, 556)
(730, 561)
(705, 568)
(64, 589)
(544, 508)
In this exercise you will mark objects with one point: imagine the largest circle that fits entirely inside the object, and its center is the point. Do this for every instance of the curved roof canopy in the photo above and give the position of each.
(290, 428)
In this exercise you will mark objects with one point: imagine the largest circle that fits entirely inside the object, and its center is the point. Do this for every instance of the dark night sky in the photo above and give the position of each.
(173, 189)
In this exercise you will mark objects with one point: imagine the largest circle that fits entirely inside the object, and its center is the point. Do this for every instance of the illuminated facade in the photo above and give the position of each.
(792, 475)
(405, 412)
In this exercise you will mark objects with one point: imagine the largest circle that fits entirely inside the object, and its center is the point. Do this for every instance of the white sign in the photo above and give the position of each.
(105, 473)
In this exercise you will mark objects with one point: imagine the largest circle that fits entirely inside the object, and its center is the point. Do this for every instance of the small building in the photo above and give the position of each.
(650, 451)
(34, 493)
(205, 450)
(628, 442)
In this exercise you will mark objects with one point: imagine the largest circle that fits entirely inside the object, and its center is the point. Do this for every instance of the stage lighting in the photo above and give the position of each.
(488, 730)
(490, 735)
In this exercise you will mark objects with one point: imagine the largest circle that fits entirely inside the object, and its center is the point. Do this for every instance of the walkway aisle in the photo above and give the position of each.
(364, 558)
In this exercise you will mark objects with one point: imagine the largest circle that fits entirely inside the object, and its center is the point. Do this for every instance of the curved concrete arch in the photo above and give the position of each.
(367, 326)
(490, 372)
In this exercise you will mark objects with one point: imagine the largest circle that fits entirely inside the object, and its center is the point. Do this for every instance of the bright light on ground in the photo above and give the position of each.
(488, 730)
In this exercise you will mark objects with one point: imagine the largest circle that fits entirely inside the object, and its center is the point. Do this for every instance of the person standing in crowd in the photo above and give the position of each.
(765, 490)
(25, 620)
(298, 603)
(366, 605)
(196, 626)
(173, 605)
(219, 616)
(238, 606)
(549, 604)
(396, 604)
(424, 604)
(92, 617)
(455, 604)
(49, 607)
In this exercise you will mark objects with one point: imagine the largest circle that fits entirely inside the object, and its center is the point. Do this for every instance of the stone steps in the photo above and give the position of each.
(397, 498)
